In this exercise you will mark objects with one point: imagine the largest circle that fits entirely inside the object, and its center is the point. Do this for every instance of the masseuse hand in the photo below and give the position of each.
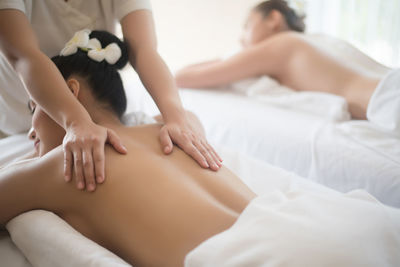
(189, 138)
(83, 147)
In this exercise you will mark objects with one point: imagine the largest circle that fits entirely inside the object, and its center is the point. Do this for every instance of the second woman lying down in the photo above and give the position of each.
(153, 209)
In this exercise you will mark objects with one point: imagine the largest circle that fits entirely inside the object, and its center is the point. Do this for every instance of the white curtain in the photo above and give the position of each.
(371, 25)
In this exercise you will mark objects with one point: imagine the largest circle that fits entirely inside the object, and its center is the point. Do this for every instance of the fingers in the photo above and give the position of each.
(78, 169)
(115, 141)
(98, 158)
(192, 151)
(84, 154)
(214, 155)
(210, 160)
(88, 171)
(207, 154)
(87, 163)
(194, 145)
(68, 163)
(165, 140)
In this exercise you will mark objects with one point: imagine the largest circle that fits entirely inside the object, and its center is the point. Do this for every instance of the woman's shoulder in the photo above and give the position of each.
(280, 47)
(38, 168)
(287, 39)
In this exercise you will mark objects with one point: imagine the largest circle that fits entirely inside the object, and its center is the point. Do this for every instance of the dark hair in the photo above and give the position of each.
(103, 78)
(294, 21)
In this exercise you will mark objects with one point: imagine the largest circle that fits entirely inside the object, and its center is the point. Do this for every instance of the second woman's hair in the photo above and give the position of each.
(103, 78)
(294, 21)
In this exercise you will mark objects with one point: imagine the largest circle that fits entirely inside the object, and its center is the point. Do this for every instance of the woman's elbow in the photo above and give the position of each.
(181, 79)
(187, 79)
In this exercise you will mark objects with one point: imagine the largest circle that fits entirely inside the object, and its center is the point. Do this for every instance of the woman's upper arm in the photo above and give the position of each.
(24, 186)
(248, 63)
(266, 58)
(17, 39)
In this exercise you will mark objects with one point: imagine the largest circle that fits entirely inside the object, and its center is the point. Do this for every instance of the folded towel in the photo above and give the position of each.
(38, 235)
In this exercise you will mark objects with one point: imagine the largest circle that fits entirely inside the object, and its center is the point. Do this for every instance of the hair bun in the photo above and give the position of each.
(107, 38)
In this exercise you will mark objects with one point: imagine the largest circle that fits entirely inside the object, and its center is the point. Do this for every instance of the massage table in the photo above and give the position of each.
(43, 239)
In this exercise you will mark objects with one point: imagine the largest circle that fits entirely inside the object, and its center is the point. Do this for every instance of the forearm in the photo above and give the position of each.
(41, 77)
(249, 63)
(48, 88)
(159, 82)
(188, 76)
(201, 64)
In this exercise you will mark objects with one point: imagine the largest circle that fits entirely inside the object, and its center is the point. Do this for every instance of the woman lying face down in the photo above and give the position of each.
(274, 45)
(153, 209)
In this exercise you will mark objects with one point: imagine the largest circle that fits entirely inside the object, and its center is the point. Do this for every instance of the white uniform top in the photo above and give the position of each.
(54, 23)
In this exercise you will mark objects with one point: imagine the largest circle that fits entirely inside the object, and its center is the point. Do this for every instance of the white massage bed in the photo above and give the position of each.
(47, 241)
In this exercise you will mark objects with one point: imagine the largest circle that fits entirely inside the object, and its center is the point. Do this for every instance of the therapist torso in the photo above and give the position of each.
(54, 23)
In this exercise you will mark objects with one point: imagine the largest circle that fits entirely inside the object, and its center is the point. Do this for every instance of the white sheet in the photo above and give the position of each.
(302, 228)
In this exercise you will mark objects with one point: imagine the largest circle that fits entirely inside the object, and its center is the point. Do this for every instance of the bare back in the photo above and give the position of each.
(295, 61)
(307, 67)
(153, 209)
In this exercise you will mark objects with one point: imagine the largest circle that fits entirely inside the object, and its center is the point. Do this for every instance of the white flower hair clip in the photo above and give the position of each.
(111, 53)
(79, 40)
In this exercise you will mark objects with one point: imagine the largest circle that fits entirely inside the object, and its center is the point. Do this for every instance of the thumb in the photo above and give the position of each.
(165, 140)
(115, 141)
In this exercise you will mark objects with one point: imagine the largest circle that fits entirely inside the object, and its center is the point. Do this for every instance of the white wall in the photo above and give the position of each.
(189, 31)
(371, 25)
(192, 30)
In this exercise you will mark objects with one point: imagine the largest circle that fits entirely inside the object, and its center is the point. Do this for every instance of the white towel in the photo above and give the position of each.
(299, 228)
(48, 241)
(267, 90)
(384, 107)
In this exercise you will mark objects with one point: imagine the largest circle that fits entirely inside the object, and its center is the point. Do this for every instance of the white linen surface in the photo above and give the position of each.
(308, 134)
(303, 228)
